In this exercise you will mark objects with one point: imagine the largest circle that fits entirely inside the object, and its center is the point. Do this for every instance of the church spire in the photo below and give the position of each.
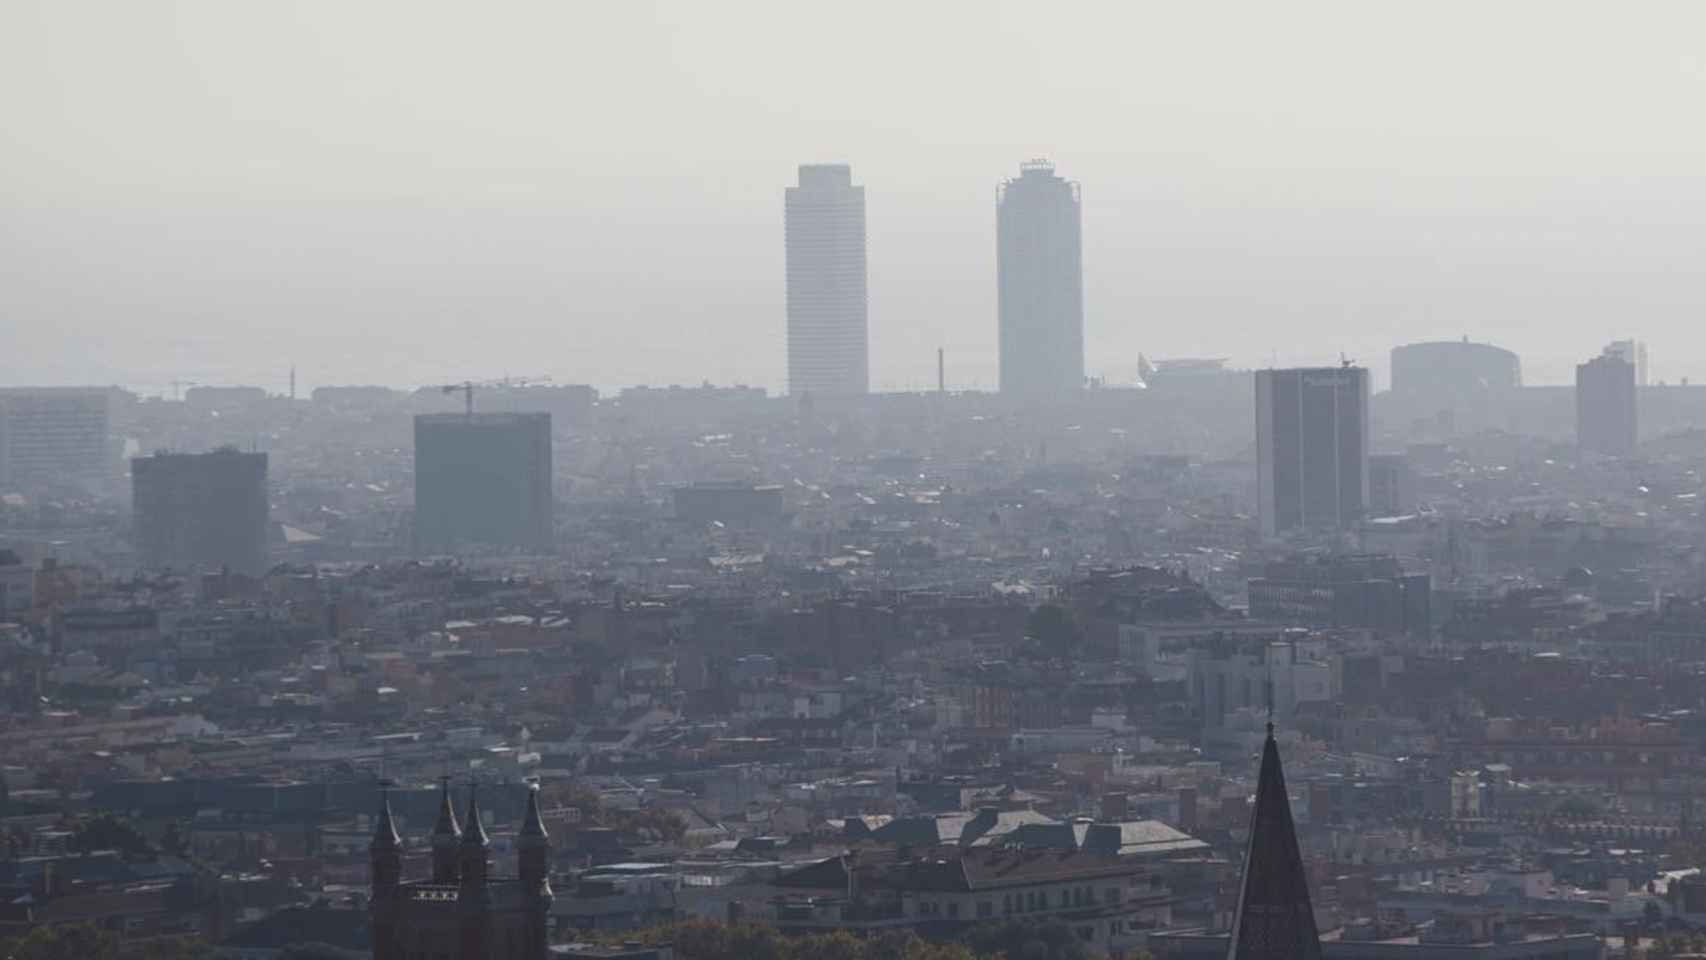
(445, 837)
(1274, 919)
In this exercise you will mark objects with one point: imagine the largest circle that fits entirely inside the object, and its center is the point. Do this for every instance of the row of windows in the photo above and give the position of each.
(1025, 901)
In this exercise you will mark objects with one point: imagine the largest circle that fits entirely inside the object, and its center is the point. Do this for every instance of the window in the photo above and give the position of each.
(1006, 904)
(985, 908)
(953, 909)
(1111, 895)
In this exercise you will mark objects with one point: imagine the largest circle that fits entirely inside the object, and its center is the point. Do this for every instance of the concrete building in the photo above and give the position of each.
(1454, 372)
(828, 328)
(483, 479)
(1632, 351)
(1391, 485)
(1233, 676)
(54, 435)
(1312, 448)
(201, 511)
(1040, 274)
(1605, 406)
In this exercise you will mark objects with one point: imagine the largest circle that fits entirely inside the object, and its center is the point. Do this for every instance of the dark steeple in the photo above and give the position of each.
(1274, 919)
(533, 846)
(385, 850)
(445, 837)
(474, 845)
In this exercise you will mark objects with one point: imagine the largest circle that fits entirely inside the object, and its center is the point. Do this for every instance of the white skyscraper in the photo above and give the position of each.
(828, 331)
(1040, 276)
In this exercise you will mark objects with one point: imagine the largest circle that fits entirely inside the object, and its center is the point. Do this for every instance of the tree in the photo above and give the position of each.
(78, 941)
(318, 951)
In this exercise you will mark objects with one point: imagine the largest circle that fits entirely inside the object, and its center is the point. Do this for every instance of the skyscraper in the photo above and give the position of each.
(828, 330)
(1605, 405)
(1311, 448)
(54, 435)
(482, 479)
(1039, 263)
(201, 511)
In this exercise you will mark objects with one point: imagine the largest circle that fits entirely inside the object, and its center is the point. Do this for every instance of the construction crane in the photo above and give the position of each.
(466, 388)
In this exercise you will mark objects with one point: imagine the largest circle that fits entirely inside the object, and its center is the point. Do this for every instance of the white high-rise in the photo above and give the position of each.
(828, 330)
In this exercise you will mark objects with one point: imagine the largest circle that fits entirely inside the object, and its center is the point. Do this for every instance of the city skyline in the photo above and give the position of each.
(382, 220)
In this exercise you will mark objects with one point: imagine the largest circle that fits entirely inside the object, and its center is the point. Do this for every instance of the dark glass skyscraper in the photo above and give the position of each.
(1040, 277)
(1312, 448)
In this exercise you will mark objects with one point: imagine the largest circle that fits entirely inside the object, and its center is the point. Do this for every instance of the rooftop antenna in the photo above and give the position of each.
(941, 371)
(1270, 692)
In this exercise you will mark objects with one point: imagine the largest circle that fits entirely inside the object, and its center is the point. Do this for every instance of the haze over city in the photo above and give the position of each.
(405, 193)
(789, 481)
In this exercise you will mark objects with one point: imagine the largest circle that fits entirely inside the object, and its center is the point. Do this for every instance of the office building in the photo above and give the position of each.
(201, 511)
(54, 435)
(1312, 448)
(1605, 406)
(828, 335)
(1040, 277)
(1391, 485)
(1448, 374)
(1633, 351)
(482, 480)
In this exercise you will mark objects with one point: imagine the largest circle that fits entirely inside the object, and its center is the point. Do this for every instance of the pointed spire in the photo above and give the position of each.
(446, 825)
(473, 831)
(386, 839)
(533, 825)
(1274, 919)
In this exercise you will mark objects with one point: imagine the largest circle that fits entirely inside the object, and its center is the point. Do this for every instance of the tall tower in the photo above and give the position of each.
(1040, 281)
(1274, 919)
(828, 329)
(1311, 448)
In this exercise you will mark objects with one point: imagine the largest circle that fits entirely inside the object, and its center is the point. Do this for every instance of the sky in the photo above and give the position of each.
(405, 193)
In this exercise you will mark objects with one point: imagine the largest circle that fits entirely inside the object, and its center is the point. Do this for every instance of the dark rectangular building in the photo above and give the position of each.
(731, 504)
(483, 480)
(201, 511)
(1605, 406)
(1370, 592)
(1312, 448)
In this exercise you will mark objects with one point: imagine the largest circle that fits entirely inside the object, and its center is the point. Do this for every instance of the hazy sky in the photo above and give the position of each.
(407, 192)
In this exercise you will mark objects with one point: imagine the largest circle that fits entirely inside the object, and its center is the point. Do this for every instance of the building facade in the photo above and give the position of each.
(1040, 281)
(828, 326)
(1312, 448)
(54, 435)
(1606, 420)
(483, 480)
(201, 511)
(461, 912)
